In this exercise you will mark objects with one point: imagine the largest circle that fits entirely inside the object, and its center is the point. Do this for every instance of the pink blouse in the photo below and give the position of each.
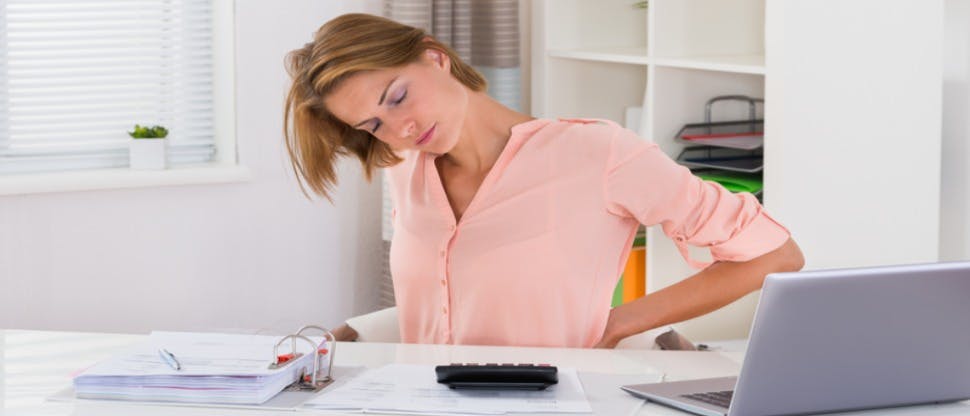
(540, 248)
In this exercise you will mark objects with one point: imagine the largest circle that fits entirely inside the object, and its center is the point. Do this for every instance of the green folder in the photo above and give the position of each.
(618, 294)
(734, 182)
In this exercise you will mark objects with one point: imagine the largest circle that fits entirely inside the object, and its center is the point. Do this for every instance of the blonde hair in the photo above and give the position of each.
(344, 46)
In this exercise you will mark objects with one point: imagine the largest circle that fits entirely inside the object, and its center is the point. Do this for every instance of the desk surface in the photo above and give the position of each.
(36, 364)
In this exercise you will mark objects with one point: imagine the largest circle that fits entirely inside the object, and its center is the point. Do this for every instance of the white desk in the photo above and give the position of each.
(36, 364)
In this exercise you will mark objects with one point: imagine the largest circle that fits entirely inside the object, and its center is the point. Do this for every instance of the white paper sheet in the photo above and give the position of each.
(199, 354)
(605, 396)
(408, 388)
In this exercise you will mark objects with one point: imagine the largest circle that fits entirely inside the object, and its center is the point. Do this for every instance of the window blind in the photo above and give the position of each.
(77, 75)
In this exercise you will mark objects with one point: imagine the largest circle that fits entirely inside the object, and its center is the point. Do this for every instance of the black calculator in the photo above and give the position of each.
(497, 376)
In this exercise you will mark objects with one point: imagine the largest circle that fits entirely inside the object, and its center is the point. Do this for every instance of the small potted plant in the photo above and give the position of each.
(147, 147)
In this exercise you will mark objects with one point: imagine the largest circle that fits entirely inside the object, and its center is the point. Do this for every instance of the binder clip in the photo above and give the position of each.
(315, 381)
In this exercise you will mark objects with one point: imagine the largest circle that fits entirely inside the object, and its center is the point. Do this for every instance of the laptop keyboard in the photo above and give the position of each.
(717, 398)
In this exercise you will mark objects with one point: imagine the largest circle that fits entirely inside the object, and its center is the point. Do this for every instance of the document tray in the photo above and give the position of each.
(749, 161)
(745, 134)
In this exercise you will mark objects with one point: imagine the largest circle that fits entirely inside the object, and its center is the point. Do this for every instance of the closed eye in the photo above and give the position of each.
(401, 98)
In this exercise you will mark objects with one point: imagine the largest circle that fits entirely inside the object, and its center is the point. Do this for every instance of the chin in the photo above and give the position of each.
(447, 143)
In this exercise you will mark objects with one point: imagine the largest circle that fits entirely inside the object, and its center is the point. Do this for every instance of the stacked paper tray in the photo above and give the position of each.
(744, 135)
(729, 153)
(735, 160)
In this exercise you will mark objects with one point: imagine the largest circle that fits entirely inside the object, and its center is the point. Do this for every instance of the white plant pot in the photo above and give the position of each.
(147, 153)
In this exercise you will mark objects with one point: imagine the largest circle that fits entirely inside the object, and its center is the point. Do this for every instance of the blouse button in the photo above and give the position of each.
(442, 253)
(443, 282)
(451, 227)
(444, 310)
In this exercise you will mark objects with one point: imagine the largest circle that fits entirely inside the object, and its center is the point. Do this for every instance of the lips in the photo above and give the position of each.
(426, 137)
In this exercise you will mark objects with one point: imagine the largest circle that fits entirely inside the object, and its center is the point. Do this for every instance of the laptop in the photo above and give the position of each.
(840, 340)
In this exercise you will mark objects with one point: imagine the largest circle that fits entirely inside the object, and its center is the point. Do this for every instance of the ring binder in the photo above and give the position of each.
(331, 348)
(213, 370)
(315, 383)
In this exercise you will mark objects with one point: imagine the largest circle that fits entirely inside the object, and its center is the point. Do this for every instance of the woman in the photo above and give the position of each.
(510, 230)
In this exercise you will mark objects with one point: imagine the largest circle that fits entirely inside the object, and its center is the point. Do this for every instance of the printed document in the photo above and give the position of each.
(409, 388)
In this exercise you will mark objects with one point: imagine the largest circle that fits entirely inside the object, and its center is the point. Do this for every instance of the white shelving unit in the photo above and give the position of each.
(852, 110)
(593, 58)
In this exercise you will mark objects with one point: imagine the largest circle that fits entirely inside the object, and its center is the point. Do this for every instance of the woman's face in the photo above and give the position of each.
(419, 106)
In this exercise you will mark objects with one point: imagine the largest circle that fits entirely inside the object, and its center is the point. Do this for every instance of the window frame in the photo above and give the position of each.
(223, 168)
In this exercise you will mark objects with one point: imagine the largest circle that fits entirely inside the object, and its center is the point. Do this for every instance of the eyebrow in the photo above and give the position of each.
(381, 102)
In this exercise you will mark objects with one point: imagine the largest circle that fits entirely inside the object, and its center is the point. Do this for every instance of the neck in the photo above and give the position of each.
(484, 133)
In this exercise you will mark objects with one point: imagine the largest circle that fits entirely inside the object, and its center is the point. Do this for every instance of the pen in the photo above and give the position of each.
(169, 359)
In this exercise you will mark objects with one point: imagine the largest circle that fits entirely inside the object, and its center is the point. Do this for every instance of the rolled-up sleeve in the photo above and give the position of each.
(642, 182)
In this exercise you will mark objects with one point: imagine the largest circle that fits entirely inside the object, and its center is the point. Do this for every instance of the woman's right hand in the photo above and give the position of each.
(344, 333)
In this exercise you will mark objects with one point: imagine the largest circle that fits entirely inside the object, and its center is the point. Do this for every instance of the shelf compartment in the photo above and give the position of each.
(592, 89)
(707, 29)
(584, 24)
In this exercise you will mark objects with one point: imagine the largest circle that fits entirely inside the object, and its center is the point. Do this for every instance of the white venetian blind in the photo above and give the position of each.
(77, 75)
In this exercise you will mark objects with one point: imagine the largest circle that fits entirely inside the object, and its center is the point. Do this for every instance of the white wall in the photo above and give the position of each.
(955, 183)
(856, 111)
(253, 255)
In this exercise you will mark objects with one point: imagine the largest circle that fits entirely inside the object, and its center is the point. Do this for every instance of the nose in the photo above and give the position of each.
(407, 128)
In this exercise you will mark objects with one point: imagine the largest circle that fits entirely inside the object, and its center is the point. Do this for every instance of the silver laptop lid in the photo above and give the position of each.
(858, 338)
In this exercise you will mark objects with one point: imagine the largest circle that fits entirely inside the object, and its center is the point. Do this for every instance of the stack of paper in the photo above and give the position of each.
(408, 388)
(215, 368)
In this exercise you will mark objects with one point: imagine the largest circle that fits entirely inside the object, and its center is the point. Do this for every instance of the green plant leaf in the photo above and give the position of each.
(159, 131)
(145, 132)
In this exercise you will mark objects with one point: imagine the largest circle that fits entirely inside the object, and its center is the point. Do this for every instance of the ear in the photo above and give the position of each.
(438, 58)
